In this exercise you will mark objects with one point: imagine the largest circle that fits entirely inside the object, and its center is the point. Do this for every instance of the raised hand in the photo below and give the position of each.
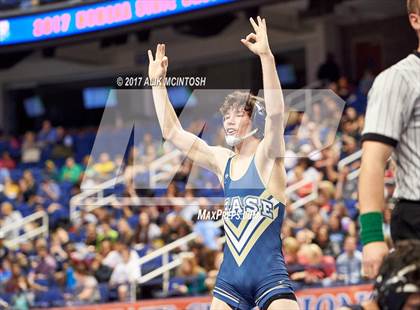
(258, 42)
(158, 66)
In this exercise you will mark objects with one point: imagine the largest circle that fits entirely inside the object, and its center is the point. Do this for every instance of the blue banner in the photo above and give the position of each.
(93, 17)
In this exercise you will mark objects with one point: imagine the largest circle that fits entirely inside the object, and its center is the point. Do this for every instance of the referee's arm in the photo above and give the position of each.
(383, 126)
(371, 200)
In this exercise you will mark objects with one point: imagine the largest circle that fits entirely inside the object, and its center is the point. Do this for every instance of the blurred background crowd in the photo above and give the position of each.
(76, 226)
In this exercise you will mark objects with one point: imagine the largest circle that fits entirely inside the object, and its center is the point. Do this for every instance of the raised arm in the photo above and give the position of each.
(273, 142)
(192, 146)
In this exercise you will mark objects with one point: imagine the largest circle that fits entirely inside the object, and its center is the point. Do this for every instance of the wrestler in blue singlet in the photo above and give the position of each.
(253, 272)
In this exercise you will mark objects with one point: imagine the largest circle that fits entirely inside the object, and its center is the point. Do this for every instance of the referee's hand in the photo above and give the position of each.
(373, 254)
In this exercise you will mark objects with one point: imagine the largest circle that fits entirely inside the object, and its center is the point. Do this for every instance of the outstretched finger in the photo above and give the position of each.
(259, 21)
(149, 52)
(163, 49)
(164, 61)
(157, 52)
(160, 51)
(254, 25)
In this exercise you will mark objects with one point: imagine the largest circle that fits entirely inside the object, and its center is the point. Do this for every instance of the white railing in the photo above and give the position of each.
(167, 266)
(97, 192)
(292, 189)
(30, 234)
(157, 173)
(349, 160)
(92, 198)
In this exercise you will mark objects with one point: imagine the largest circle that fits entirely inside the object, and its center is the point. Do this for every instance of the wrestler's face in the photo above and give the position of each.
(236, 122)
(413, 302)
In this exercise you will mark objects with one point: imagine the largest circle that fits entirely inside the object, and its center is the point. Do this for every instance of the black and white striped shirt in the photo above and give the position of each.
(393, 118)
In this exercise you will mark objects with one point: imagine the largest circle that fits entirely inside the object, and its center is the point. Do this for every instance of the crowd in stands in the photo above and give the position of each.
(94, 257)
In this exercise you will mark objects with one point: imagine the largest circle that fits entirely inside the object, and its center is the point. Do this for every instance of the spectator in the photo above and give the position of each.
(327, 165)
(208, 232)
(303, 170)
(47, 135)
(5, 271)
(91, 235)
(11, 190)
(291, 249)
(336, 233)
(329, 71)
(6, 161)
(63, 145)
(343, 88)
(31, 150)
(17, 282)
(105, 231)
(212, 273)
(43, 267)
(10, 217)
(146, 231)
(44, 263)
(105, 247)
(113, 258)
(28, 186)
(349, 263)
(192, 206)
(305, 236)
(104, 167)
(126, 273)
(322, 239)
(4, 251)
(71, 171)
(125, 232)
(317, 266)
(326, 195)
(194, 277)
(86, 289)
(349, 145)
(4, 175)
(101, 272)
(49, 191)
(51, 171)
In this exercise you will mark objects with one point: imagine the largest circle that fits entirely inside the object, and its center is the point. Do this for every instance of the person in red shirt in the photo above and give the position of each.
(6, 161)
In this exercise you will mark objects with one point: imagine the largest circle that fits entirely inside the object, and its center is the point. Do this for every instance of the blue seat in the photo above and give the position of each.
(7, 297)
(174, 282)
(52, 297)
(103, 292)
(16, 174)
(24, 209)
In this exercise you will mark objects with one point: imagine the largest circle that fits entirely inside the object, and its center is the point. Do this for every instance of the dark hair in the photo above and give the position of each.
(400, 269)
(240, 100)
